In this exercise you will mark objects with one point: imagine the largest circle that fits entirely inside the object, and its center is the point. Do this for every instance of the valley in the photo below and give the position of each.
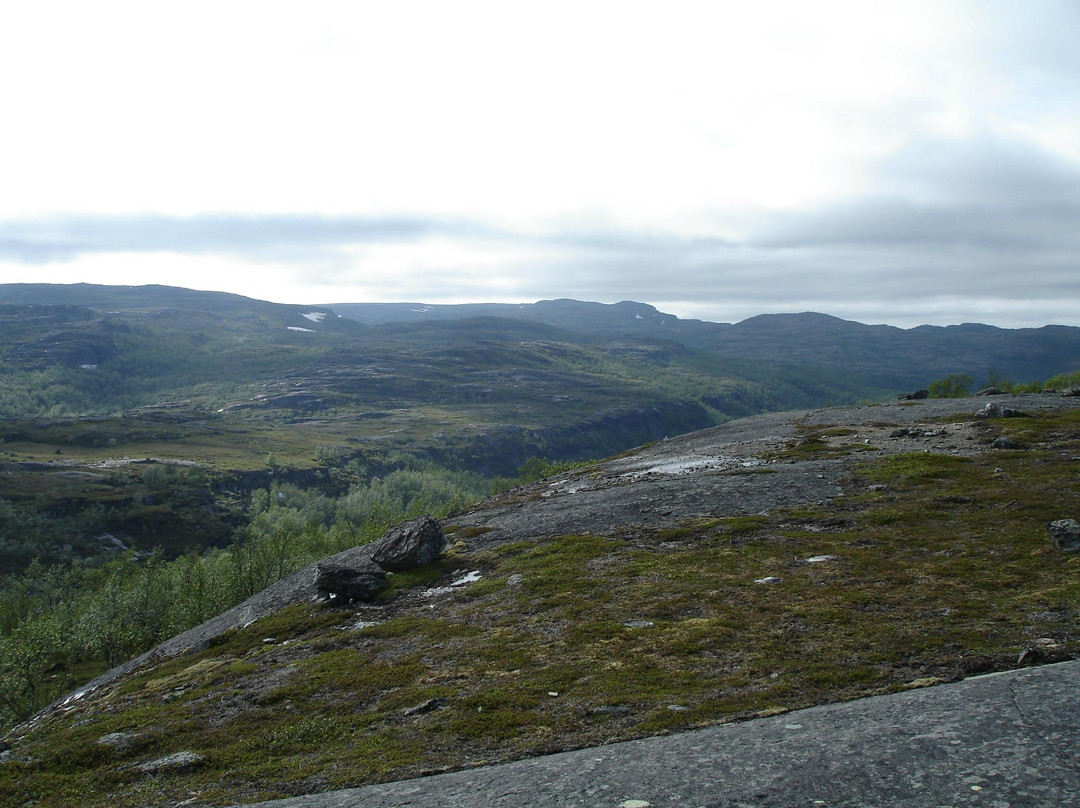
(170, 457)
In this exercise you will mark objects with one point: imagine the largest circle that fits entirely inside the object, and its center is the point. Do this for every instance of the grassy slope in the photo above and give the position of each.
(945, 571)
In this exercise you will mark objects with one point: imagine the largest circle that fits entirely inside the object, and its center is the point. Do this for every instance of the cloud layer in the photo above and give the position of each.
(901, 163)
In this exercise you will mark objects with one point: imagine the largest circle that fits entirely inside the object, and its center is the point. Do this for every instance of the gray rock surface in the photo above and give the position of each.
(349, 583)
(1005, 739)
(1065, 534)
(410, 544)
(173, 762)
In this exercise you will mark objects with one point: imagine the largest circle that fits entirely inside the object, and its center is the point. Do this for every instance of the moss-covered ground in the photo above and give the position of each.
(931, 567)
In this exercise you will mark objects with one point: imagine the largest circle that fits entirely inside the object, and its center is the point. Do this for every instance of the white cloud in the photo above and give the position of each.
(734, 155)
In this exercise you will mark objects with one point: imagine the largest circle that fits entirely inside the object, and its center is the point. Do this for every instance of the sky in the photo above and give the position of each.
(887, 162)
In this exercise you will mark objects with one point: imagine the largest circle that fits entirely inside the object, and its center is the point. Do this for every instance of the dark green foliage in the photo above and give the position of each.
(955, 385)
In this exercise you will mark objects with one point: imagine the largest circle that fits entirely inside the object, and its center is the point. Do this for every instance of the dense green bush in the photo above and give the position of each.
(55, 618)
(955, 385)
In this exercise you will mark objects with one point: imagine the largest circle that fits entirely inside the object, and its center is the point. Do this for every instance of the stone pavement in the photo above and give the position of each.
(1002, 740)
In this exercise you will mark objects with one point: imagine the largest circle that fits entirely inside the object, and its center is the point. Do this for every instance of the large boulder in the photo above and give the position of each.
(349, 583)
(1065, 534)
(410, 544)
(918, 395)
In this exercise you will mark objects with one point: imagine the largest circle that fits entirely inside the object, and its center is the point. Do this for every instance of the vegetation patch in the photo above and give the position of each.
(931, 567)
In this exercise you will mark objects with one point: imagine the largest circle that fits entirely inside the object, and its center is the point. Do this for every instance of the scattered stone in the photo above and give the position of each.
(348, 583)
(634, 804)
(995, 410)
(638, 623)
(1071, 392)
(916, 396)
(118, 741)
(514, 581)
(178, 761)
(610, 709)
(769, 579)
(1029, 656)
(1042, 651)
(1005, 443)
(819, 559)
(410, 544)
(677, 708)
(429, 706)
(877, 487)
(1065, 534)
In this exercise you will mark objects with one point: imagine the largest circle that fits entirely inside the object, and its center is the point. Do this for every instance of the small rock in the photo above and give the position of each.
(991, 391)
(819, 559)
(900, 433)
(916, 396)
(610, 709)
(1005, 443)
(638, 624)
(769, 579)
(877, 487)
(426, 707)
(119, 741)
(1072, 391)
(1065, 534)
(514, 581)
(995, 410)
(634, 804)
(174, 762)
(1029, 656)
(677, 708)
(4, 746)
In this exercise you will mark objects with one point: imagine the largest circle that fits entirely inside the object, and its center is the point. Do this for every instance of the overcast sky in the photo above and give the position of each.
(899, 162)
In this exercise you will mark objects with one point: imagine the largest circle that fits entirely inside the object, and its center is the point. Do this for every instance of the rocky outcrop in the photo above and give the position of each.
(348, 583)
(1065, 534)
(410, 544)
(995, 410)
(403, 547)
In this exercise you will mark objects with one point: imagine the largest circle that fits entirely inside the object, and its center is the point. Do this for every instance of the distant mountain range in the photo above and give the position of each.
(892, 356)
(870, 359)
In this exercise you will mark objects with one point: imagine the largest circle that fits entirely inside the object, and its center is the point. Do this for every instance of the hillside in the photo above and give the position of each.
(881, 355)
(759, 566)
(145, 417)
